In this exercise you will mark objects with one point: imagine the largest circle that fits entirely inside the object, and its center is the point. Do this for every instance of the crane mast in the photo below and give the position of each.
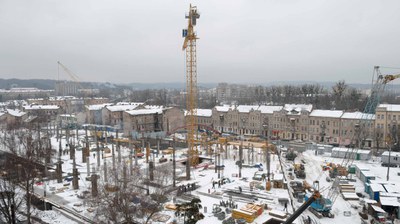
(189, 45)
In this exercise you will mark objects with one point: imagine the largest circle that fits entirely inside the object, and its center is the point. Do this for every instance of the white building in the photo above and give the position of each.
(394, 158)
(349, 153)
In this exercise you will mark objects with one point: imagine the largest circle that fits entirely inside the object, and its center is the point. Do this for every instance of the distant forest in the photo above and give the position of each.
(24, 83)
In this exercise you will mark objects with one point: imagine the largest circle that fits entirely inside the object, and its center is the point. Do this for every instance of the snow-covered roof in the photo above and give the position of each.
(153, 107)
(67, 115)
(41, 107)
(246, 108)
(2, 113)
(97, 106)
(123, 107)
(204, 112)
(298, 107)
(224, 108)
(377, 188)
(15, 113)
(357, 115)
(326, 113)
(269, 109)
(144, 111)
(389, 201)
(24, 90)
(392, 188)
(392, 154)
(378, 209)
(358, 151)
(390, 107)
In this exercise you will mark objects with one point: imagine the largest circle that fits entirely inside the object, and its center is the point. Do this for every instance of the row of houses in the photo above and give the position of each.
(302, 122)
(291, 121)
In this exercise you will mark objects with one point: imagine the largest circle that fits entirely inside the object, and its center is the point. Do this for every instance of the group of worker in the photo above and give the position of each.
(218, 182)
(186, 188)
(228, 204)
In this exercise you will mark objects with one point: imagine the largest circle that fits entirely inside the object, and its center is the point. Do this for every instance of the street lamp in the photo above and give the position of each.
(221, 121)
(323, 128)
(265, 127)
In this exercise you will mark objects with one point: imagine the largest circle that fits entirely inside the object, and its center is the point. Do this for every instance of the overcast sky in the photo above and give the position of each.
(241, 41)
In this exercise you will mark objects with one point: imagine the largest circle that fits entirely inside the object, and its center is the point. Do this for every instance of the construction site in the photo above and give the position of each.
(100, 175)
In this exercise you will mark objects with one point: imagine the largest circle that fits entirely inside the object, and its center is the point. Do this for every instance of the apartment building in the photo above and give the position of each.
(11, 117)
(291, 122)
(142, 122)
(387, 121)
(45, 112)
(173, 119)
(324, 126)
(93, 113)
(113, 114)
(204, 117)
(244, 119)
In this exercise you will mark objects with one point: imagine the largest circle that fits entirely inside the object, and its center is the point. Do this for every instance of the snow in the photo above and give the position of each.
(41, 107)
(377, 188)
(389, 107)
(224, 108)
(298, 107)
(392, 154)
(144, 111)
(349, 150)
(16, 113)
(209, 196)
(357, 116)
(97, 106)
(123, 106)
(204, 112)
(378, 209)
(326, 113)
(153, 107)
(392, 188)
(52, 216)
(246, 108)
(269, 109)
(389, 201)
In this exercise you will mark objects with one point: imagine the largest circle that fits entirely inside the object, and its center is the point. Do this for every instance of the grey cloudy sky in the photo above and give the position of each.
(241, 41)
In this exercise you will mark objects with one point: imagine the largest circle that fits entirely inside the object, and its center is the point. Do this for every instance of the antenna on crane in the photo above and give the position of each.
(189, 45)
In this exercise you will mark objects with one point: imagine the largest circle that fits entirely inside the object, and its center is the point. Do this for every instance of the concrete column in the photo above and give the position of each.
(118, 149)
(105, 171)
(88, 165)
(125, 179)
(113, 155)
(97, 149)
(75, 183)
(151, 171)
(130, 157)
(94, 185)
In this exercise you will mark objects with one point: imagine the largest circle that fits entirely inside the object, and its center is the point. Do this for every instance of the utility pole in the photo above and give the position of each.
(393, 143)
(240, 159)
(173, 163)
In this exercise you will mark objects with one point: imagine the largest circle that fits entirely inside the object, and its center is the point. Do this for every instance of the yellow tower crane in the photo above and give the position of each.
(189, 45)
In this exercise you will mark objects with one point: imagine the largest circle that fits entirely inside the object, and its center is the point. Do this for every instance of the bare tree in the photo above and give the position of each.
(339, 91)
(11, 197)
(122, 197)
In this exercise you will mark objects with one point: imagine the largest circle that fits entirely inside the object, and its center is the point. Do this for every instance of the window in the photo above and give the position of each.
(382, 116)
(394, 117)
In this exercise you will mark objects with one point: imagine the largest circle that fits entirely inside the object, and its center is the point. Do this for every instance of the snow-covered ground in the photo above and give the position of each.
(66, 197)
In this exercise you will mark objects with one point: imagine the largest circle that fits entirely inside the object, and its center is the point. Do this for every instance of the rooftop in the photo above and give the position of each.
(327, 113)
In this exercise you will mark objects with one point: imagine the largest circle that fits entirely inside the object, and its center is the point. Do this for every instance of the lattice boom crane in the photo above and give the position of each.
(189, 45)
